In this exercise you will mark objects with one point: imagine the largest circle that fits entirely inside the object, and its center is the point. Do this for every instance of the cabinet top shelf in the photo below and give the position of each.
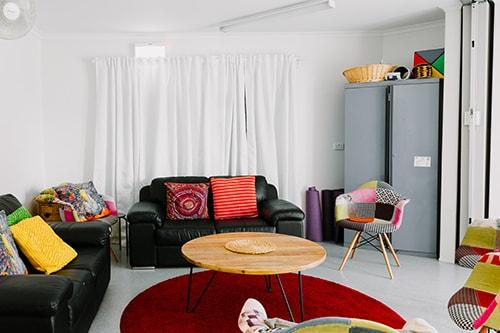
(392, 83)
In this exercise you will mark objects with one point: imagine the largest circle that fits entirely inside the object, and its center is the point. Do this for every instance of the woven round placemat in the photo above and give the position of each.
(250, 246)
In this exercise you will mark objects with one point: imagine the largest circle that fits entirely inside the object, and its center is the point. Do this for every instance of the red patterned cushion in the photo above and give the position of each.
(187, 201)
(234, 197)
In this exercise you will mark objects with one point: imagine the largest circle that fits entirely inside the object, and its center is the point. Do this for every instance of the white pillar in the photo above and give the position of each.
(450, 140)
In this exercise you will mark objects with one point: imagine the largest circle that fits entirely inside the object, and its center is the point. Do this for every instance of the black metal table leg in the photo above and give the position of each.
(301, 298)
(203, 292)
(269, 286)
(285, 298)
(190, 280)
(120, 233)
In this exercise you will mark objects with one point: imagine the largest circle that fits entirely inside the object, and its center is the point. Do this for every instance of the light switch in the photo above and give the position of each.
(339, 146)
(422, 161)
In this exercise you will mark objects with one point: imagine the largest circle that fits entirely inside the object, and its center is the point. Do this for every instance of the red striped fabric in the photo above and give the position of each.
(234, 197)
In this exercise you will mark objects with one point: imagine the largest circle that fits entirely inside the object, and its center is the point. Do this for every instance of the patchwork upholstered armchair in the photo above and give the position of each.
(482, 236)
(373, 211)
(475, 305)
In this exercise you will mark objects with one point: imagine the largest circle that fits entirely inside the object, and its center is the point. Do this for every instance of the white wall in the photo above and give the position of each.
(400, 45)
(68, 96)
(21, 132)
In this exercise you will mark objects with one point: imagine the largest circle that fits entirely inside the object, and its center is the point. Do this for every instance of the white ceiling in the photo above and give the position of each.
(148, 16)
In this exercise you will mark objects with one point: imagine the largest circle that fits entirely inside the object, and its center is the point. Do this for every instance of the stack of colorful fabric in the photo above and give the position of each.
(469, 304)
(77, 202)
(483, 236)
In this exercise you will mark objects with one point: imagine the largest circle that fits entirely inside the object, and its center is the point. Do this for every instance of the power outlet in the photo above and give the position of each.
(338, 146)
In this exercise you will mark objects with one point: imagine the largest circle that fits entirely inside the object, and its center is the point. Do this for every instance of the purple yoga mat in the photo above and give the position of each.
(313, 215)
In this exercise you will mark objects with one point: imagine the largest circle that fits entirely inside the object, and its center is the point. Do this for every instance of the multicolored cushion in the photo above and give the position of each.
(46, 251)
(187, 201)
(469, 303)
(234, 197)
(10, 262)
(18, 215)
(375, 206)
(84, 199)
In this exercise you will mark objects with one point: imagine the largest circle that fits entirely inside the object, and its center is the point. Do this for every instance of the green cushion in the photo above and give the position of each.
(482, 237)
(18, 215)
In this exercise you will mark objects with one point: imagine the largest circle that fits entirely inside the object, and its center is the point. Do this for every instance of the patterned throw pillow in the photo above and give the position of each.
(45, 250)
(10, 262)
(187, 201)
(85, 200)
(234, 197)
(18, 215)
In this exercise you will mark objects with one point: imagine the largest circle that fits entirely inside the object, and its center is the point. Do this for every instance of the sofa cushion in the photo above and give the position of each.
(187, 201)
(83, 286)
(91, 259)
(234, 197)
(181, 231)
(9, 203)
(45, 250)
(158, 190)
(242, 225)
(261, 187)
(10, 261)
(18, 215)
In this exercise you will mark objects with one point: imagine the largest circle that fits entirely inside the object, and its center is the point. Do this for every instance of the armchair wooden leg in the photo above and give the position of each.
(484, 329)
(388, 241)
(356, 247)
(348, 252)
(387, 263)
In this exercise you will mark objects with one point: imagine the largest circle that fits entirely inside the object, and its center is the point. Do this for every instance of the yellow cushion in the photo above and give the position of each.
(46, 251)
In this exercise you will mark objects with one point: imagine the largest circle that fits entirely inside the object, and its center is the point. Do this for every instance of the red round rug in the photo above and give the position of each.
(161, 308)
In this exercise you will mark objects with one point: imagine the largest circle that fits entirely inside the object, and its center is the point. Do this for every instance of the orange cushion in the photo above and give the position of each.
(234, 197)
(362, 219)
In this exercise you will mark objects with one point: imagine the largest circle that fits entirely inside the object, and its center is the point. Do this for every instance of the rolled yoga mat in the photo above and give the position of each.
(313, 215)
(330, 229)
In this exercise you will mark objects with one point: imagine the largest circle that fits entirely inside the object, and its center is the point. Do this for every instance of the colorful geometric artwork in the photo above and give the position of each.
(435, 58)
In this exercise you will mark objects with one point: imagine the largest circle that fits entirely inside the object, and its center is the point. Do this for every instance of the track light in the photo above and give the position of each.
(226, 25)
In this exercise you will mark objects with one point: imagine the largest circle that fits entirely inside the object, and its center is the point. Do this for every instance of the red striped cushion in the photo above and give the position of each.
(234, 197)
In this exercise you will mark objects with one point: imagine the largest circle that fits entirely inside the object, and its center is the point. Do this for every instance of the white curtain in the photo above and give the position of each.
(193, 115)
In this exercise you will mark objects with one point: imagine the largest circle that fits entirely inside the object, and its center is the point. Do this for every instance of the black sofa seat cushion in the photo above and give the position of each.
(91, 259)
(33, 295)
(241, 225)
(83, 287)
(181, 231)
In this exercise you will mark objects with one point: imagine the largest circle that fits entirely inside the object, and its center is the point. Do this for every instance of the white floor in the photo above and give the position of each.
(421, 287)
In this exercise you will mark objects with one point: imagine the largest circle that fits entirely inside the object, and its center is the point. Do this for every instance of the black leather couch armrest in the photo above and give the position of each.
(276, 210)
(93, 233)
(146, 212)
(33, 295)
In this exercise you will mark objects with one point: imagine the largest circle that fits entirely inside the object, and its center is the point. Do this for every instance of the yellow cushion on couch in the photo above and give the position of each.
(46, 251)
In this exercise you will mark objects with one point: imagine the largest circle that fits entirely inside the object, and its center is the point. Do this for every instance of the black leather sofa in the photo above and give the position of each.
(156, 242)
(66, 301)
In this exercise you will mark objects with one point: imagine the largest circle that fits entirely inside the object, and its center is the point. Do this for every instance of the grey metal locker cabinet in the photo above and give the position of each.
(389, 128)
(365, 110)
(415, 113)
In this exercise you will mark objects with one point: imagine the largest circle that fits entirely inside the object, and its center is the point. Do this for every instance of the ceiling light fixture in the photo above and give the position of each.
(226, 25)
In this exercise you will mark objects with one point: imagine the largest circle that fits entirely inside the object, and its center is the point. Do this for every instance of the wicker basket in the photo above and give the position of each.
(368, 73)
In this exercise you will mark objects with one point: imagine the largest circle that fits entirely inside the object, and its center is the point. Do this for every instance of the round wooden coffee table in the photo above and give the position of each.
(291, 255)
